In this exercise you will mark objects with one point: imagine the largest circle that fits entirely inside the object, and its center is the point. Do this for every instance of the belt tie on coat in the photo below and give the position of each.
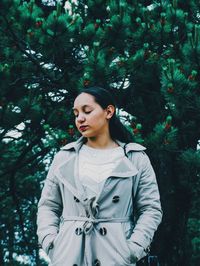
(92, 209)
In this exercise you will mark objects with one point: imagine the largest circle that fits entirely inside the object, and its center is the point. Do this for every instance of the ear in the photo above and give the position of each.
(110, 110)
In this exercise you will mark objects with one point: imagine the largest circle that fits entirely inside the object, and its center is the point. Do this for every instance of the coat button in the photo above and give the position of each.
(115, 199)
(75, 265)
(78, 231)
(51, 246)
(97, 263)
(103, 231)
(77, 200)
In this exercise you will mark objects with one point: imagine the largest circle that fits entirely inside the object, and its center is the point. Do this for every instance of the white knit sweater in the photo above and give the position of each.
(95, 166)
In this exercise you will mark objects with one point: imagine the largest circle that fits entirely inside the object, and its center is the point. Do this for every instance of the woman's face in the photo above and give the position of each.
(91, 119)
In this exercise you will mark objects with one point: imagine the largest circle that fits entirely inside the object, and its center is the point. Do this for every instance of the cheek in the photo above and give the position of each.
(76, 123)
(99, 120)
(95, 119)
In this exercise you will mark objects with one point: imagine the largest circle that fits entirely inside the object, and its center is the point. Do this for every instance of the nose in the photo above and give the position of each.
(80, 118)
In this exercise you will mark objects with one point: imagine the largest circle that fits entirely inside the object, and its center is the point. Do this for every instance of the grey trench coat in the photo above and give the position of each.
(115, 228)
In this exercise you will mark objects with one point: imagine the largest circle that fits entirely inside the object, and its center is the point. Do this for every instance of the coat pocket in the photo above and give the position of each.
(60, 241)
(137, 252)
(123, 245)
(52, 245)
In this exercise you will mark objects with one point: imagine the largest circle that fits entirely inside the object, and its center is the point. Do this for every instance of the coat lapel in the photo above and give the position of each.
(67, 174)
(124, 168)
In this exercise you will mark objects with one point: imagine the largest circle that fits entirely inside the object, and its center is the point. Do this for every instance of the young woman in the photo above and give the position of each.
(100, 203)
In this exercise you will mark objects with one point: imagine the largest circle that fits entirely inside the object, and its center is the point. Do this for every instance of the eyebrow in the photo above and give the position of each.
(84, 106)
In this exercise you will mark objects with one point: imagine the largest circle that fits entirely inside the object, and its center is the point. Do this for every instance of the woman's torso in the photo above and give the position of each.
(104, 208)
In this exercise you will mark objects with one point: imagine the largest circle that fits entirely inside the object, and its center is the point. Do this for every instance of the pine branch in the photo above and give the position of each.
(23, 47)
(18, 163)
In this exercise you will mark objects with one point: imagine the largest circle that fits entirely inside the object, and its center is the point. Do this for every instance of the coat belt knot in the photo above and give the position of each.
(92, 209)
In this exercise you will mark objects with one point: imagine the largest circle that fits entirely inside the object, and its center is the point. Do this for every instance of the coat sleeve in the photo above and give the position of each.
(147, 207)
(49, 209)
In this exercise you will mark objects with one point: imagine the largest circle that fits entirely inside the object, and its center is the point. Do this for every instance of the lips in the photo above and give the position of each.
(83, 128)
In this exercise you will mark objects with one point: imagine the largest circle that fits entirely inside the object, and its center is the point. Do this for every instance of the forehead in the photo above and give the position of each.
(84, 99)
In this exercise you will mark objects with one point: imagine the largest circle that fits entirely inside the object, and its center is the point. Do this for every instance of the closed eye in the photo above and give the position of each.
(88, 112)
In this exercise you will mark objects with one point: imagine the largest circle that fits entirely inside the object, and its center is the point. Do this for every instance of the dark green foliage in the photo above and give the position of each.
(148, 55)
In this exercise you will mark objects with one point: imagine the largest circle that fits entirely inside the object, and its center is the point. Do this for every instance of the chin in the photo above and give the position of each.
(87, 134)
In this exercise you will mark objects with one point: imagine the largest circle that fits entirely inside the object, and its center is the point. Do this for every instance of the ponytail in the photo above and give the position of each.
(118, 131)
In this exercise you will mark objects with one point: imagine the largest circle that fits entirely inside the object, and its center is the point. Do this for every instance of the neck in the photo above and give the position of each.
(101, 142)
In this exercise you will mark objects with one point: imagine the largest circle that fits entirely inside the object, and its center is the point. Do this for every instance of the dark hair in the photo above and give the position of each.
(104, 98)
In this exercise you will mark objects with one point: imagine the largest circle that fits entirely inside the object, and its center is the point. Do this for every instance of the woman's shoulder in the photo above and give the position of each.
(74, 145)
(136, 153)
(133, 146)
(64, 152)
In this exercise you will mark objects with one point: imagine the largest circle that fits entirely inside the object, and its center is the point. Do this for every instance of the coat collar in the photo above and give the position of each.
(125, 168)
(76, 145)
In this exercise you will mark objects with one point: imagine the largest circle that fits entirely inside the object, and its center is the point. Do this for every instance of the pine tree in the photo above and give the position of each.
(148, 55)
